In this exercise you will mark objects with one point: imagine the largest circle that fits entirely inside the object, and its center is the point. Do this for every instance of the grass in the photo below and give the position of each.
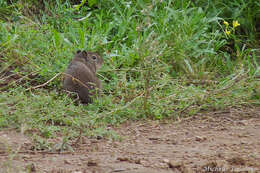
(163, 60)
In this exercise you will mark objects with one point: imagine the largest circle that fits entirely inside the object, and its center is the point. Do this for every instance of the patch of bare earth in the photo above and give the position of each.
(224, 141)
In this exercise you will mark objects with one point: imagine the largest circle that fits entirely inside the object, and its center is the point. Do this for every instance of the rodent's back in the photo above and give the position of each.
(80, 76)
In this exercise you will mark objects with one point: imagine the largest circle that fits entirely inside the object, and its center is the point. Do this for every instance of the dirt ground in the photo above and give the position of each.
(221, 141)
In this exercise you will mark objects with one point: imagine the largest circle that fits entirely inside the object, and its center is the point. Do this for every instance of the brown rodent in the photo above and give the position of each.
(80, 76)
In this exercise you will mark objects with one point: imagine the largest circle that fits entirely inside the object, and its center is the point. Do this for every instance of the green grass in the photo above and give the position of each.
(163, 60)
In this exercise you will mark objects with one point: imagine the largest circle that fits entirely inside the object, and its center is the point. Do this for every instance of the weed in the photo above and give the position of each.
(163, 60)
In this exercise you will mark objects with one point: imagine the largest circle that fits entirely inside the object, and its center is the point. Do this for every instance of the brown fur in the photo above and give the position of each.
(80, 76)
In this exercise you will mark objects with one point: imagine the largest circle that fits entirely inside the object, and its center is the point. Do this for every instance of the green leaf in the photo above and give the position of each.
(92, 2)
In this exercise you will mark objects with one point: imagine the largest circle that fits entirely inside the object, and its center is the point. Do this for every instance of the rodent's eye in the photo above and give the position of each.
(94, 57)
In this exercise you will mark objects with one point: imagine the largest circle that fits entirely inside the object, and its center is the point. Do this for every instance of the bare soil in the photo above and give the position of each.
(222, 141)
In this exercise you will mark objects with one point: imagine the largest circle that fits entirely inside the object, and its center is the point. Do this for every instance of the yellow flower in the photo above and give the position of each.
(226, 23)
(235, 23)
(227, 32)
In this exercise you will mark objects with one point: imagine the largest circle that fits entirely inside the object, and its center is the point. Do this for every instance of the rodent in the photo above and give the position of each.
(80, 76)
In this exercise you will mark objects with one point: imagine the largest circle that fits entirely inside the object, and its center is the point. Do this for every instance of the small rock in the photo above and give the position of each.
(174, 142)
(174, 164)
(243, 123)
(67, 161)
(243, 142)
(137, 161)
(92, 163)
(200, 139)
(223, 128)
(145, 163)
(26, 157)
(153, 138)
(166, 160)
(122, 159)
(119, 170)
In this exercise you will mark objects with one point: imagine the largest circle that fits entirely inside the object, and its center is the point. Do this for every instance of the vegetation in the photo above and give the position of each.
(163, 60)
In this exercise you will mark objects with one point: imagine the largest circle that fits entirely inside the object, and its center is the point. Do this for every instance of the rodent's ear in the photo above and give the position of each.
(85, 53)
(78, 51)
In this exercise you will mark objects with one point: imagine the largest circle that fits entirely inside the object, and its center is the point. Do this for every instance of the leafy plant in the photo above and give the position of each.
(163, 60)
